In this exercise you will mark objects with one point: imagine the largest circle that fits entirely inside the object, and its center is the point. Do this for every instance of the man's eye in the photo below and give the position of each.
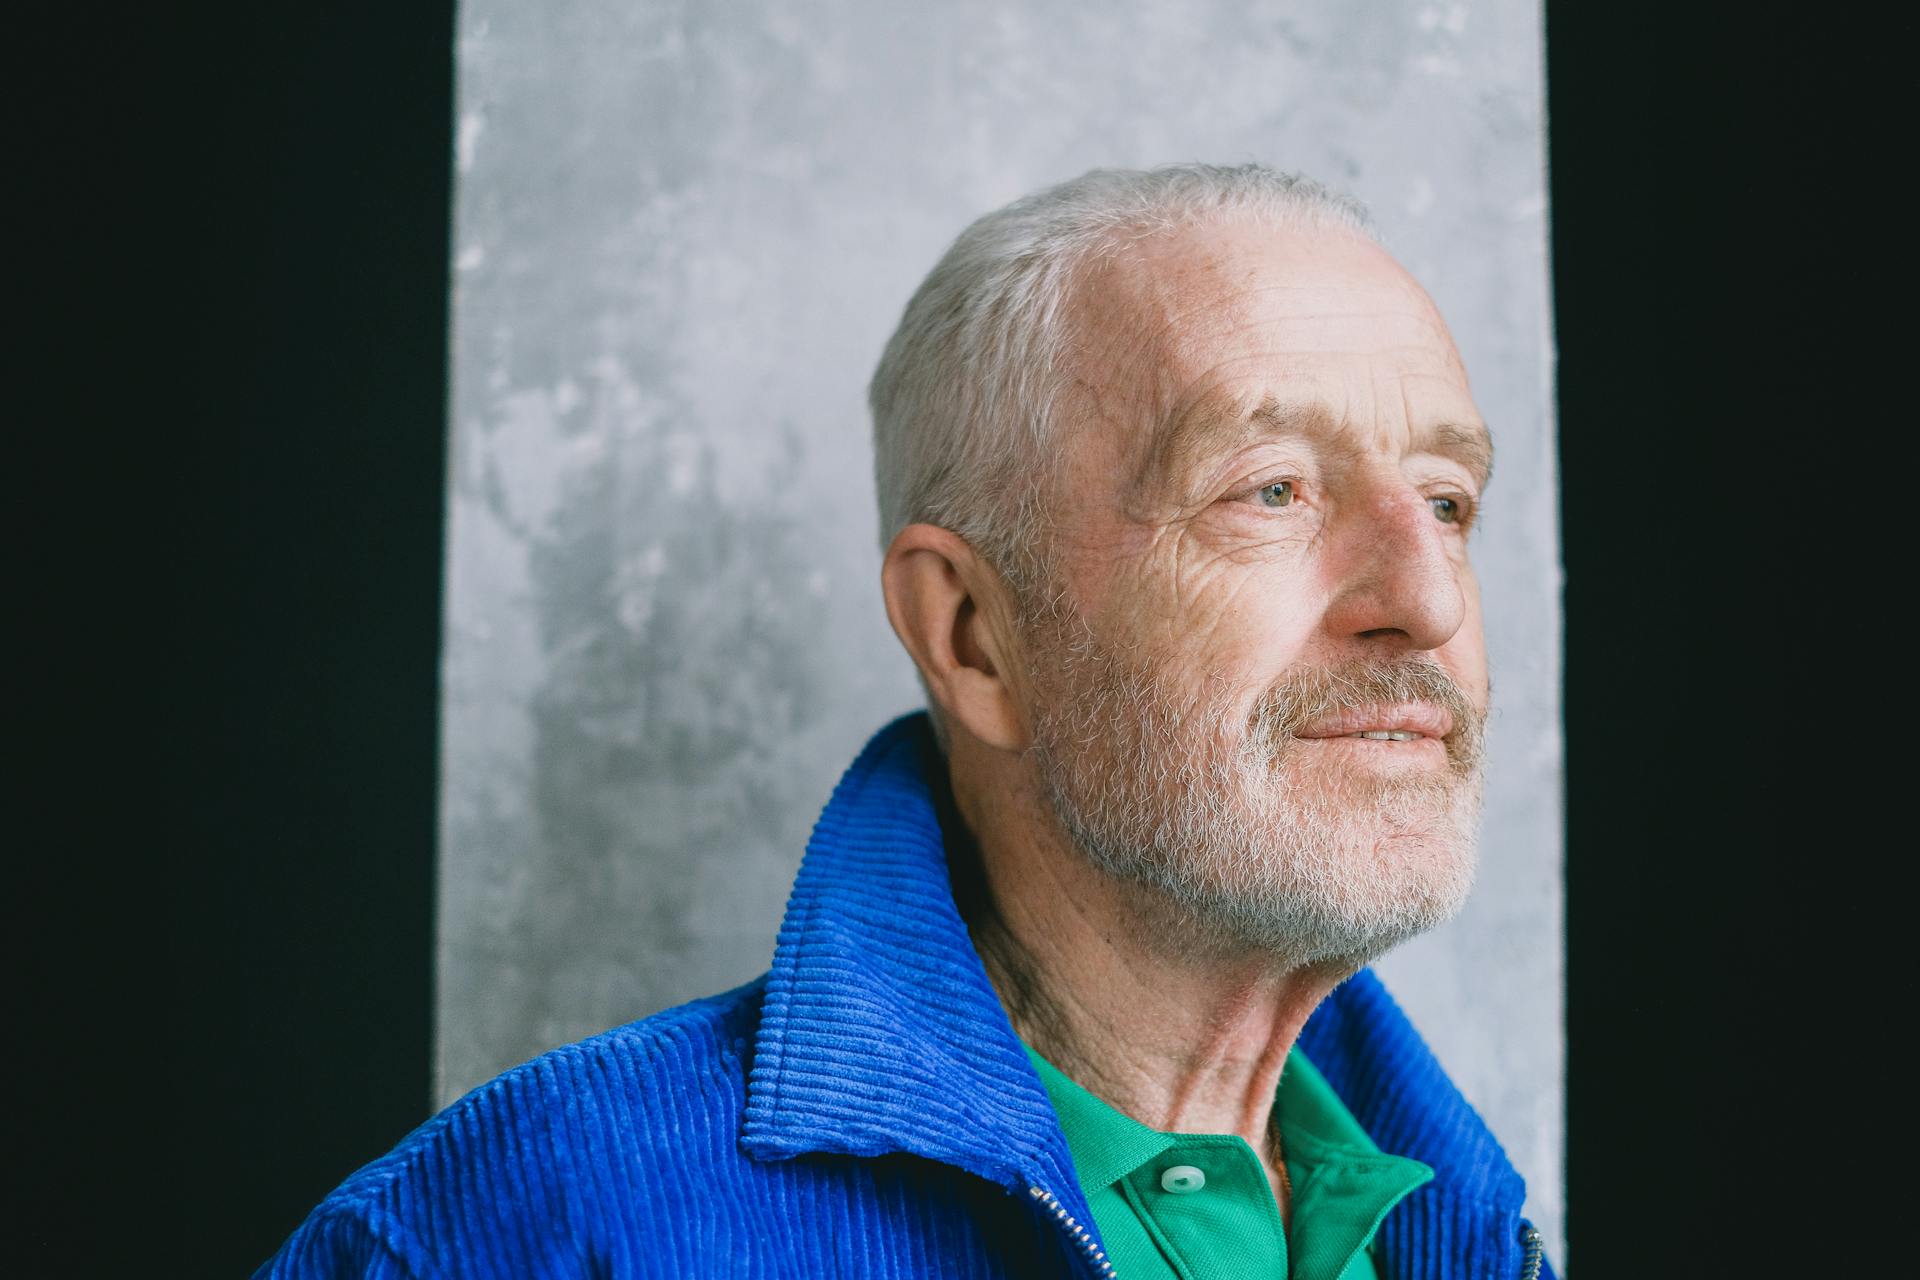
(1277, 494)
(1448, 510)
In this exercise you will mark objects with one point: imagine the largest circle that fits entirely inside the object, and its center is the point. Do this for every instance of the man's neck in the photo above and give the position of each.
(1116, 987)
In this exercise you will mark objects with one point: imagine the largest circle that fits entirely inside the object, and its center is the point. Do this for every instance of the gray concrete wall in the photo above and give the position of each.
(683, 233)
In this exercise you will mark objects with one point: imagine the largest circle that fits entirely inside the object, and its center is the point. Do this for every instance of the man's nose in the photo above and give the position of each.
(1397, 576)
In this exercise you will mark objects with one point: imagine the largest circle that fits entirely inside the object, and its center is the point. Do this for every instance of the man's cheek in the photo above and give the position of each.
(1255, 621)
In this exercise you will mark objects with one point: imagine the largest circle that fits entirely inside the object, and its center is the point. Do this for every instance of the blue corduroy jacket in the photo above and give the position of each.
(862, 1110)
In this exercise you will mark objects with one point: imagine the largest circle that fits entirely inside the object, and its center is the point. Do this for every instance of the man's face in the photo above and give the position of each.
(1270, 464)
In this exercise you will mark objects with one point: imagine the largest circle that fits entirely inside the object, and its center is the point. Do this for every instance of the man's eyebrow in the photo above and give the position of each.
(1212, 422)
(1468, 443)
(1220, 422)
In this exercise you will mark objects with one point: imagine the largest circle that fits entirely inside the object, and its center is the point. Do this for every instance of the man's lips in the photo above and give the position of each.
(1421, 719)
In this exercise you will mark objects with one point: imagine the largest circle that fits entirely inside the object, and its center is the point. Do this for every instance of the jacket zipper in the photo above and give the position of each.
(1530, 1265)
(1077, 1233)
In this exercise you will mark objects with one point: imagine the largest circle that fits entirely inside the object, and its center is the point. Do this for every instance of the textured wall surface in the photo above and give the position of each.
(683, 233)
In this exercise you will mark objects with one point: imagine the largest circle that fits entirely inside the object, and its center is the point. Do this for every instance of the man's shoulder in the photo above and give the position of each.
(697, 1051)
(547, 1141)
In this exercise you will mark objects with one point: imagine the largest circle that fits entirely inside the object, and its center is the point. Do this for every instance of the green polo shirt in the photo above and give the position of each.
(1198, 1206)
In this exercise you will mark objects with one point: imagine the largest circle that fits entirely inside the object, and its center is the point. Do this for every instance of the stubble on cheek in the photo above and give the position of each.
(1266, 839)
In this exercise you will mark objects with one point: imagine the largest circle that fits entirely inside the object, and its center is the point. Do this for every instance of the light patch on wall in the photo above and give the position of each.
(1422, 198)
(466, 143)
(1450, 18)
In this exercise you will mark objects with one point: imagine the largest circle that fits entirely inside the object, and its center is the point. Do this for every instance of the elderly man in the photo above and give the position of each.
(1176, 474)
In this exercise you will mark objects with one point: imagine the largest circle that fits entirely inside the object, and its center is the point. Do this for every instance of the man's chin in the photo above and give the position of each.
(1328, 907)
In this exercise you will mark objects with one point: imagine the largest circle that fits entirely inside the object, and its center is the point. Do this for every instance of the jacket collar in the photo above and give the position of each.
(1390, 1081)
(881, 1033)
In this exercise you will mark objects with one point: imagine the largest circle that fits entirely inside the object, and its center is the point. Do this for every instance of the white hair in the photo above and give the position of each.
(965, 397)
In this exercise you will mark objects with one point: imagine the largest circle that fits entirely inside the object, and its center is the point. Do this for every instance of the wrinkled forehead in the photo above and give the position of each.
(1204, 322)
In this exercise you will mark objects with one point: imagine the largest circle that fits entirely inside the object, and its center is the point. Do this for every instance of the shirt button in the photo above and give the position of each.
(1183, 1180)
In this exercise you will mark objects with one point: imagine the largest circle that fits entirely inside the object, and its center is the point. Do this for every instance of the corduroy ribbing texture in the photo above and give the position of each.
(862, 1110)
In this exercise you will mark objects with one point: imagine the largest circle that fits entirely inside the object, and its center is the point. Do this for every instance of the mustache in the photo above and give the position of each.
(1308, 693)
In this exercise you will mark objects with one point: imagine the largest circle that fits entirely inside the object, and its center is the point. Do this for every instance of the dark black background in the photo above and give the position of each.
(237, 278)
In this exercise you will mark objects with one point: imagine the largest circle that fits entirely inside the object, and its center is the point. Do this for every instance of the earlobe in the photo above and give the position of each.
(946, 606)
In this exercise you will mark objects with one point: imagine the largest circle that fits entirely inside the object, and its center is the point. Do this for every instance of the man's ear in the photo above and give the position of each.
(954, 614)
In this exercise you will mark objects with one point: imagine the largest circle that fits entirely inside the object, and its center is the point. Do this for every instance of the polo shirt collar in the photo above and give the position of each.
(1343, 1185)
(1108, 1144)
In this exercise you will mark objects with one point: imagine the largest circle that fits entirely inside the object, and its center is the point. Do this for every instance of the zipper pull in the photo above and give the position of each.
(1530, 1240)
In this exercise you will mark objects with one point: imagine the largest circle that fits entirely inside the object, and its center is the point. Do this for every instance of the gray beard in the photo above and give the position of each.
(1255, 844)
